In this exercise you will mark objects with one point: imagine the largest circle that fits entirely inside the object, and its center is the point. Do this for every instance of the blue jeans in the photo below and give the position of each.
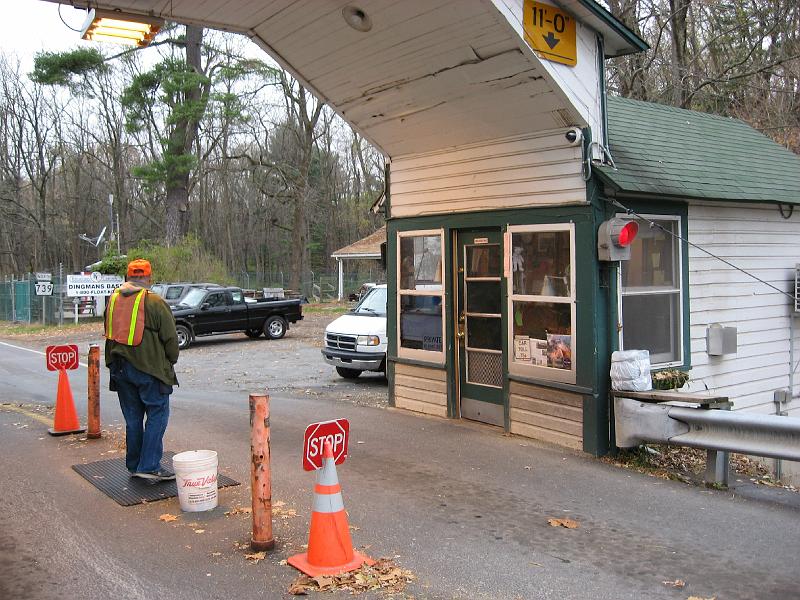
(142, 395)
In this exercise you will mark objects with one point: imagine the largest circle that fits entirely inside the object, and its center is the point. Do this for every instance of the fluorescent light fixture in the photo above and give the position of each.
(120, 28)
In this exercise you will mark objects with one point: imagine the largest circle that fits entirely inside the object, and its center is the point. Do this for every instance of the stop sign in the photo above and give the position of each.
(62, 357)
(336, 432)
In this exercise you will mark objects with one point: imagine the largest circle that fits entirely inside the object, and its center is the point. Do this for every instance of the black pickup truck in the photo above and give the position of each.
(212, 310)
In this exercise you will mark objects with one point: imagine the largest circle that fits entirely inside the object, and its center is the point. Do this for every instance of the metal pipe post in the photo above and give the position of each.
(93, 412)
(260, 474)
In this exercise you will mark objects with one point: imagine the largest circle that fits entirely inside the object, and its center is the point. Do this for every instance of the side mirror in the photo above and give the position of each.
(205, 306)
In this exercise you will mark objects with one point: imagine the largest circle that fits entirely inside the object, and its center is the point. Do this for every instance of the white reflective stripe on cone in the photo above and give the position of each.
(328, 503)
(327, 474)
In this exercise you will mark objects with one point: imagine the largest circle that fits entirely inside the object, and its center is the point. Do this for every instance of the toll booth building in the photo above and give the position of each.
(499, 136)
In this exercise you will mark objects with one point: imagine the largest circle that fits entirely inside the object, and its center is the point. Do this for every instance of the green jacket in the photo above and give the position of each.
(158, 352)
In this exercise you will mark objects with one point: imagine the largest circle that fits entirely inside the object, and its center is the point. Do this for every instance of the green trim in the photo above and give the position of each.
(387, 190)
(556, 385)
(618, 26)
(680, 210)
(414, 362)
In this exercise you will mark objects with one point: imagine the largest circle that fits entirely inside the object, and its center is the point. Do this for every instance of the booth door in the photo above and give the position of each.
(479, 325)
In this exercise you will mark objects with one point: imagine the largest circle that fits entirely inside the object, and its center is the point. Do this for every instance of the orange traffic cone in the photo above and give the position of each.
(66, 419)
(330, 549)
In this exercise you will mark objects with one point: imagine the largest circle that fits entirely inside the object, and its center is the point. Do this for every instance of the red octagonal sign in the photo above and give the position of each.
(336, 432)
(62, 357)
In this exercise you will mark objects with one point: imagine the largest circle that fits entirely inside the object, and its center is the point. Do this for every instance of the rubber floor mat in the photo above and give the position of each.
(112, 478)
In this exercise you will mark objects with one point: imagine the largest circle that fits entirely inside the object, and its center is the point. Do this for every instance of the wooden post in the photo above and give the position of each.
(260, 474)
(93, 411)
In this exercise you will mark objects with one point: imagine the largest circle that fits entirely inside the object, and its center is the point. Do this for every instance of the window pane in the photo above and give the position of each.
(421, 322)
(484, 332)
(421, 262)
(484, 261)
(654, 257)
(540, 263)
(483, 297)
(174, 292)
(652, 322)
(542, 334)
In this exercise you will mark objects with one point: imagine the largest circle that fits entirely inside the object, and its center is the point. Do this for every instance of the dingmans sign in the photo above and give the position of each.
(336, 432)
(95, 284)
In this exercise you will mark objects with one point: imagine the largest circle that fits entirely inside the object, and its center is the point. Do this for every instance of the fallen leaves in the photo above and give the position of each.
(256, 556)
(699, 598)
(568, 523)
(168, 518)
(678, 583)
(199, 530)
(238, 510)
(384, 574)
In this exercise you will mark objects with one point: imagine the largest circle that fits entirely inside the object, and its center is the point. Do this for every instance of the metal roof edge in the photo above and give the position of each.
(634, 42)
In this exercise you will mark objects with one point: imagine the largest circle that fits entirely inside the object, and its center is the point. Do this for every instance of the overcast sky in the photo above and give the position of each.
(30, 26)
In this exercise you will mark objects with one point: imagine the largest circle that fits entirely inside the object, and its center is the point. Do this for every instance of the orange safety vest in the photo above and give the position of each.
(125, 318)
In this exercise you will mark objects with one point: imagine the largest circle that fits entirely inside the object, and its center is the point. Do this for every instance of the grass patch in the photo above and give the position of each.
(325, 309)
(12, 328)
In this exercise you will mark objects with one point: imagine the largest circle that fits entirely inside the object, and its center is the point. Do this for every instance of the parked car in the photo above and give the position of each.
(356, 341)
(173, 293)
(215, 310)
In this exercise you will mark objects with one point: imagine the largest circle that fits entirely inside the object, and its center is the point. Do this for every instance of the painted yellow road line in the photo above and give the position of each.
(31, 350)
(28, 413)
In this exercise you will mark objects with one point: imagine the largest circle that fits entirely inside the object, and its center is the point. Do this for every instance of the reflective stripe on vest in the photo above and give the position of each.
(125, 320)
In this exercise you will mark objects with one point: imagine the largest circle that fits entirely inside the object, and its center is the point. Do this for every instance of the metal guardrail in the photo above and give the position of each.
(717, 431)
(747, 433)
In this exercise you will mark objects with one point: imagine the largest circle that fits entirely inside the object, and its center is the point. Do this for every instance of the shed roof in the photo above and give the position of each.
(368, 247)
(666, 151)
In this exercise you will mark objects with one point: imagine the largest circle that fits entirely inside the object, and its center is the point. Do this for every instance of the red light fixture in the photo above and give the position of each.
(614, 239)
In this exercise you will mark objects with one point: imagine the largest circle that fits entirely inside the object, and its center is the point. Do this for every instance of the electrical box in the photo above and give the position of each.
(721, 340)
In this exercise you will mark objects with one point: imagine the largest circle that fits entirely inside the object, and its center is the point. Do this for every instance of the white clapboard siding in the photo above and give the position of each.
(421, 389)
(546, 414)
(523, 171)
(581, 83)
(758, 239)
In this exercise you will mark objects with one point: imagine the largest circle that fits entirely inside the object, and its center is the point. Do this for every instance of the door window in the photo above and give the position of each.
(420, 295)
(216, 299)
(542, 301)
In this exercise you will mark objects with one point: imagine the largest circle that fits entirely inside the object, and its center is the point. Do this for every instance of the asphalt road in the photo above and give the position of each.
(462, 506)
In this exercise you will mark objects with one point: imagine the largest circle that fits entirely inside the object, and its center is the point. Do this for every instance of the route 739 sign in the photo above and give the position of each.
(336, 432)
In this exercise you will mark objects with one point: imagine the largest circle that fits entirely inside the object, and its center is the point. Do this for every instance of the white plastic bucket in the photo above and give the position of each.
(196, 478)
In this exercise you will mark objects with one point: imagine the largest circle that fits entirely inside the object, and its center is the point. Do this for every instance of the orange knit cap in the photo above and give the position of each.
(139, 268)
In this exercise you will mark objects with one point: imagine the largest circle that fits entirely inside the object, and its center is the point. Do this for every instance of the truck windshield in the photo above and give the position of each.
(194, 297)
(374, 303)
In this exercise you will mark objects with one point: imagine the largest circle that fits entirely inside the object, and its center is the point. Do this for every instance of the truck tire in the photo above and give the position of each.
(275, 328)
(348, 373)
(184, 336)
(253, 333)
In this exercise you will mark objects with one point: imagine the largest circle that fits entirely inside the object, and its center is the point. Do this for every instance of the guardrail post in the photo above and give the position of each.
(260, 473)
(93, 411)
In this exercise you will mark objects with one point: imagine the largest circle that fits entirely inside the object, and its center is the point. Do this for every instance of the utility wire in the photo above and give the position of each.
(64, 22)
(655, 225)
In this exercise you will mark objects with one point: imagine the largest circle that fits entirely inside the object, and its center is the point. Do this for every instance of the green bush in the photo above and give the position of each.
(186, 261)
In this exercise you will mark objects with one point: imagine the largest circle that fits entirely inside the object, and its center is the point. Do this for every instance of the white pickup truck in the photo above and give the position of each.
(356, 342)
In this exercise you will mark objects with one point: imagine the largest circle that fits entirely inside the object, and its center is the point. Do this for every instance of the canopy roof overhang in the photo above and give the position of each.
(426, 76)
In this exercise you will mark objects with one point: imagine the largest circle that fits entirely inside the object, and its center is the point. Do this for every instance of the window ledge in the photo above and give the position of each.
(416, 362)
(567, 387)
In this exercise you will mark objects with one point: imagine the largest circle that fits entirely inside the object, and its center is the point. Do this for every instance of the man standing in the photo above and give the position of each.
(141, 351)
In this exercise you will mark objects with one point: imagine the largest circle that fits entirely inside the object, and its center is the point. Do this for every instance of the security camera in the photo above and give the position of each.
(574, 136)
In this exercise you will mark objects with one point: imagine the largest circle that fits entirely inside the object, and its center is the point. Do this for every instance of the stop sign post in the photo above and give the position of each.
(60, 358)
(337, 432)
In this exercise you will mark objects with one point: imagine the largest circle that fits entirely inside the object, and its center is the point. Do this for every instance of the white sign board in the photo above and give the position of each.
(95, 284)
(44, 288)
(44, 277)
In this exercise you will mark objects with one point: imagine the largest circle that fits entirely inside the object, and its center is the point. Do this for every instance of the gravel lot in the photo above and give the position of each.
(290, 366)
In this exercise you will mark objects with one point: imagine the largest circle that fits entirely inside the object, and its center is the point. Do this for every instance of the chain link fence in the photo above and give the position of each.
(23, 301)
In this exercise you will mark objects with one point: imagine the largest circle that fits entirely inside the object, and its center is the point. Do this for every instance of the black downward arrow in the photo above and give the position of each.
(551, 40)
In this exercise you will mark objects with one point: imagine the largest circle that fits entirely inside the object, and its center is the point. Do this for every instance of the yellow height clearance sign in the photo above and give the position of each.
(550, 32)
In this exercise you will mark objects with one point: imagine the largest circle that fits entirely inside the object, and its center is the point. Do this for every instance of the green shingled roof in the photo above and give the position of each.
(666, 151)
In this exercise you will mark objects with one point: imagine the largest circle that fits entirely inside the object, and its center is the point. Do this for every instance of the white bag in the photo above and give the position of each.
(630, 371)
